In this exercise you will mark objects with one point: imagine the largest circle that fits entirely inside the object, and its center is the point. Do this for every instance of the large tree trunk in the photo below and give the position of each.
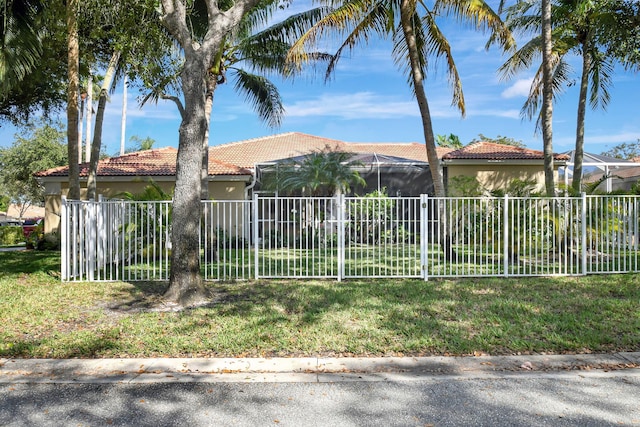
(73, 58)
(582, 107)
(185, 282)
(547, 98)
(97, 135)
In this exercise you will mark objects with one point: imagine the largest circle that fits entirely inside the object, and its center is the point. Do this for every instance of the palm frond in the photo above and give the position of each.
(479, 15)
(600, 76)
(522, 59)
(262, 95)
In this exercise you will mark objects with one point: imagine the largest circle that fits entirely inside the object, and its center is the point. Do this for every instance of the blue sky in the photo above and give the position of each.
(369, 100)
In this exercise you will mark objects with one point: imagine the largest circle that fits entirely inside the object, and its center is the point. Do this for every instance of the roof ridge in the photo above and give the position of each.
(139, 153)
(245, 141)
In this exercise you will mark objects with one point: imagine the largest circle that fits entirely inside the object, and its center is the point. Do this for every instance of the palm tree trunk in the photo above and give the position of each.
(73, 58)
(407, 10)
(208, 107)
(576, 184)
(123, 123)
(97, 135)
(87, 142)
(547, 98)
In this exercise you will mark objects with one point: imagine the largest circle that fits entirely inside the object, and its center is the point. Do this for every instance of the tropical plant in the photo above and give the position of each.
(465, 186)
(31, 74)
(575, 26)
(417, 37)
(321, 173)
(374, 220)
(248, 56)
(144, 220)
(448, 141)
(21, 36)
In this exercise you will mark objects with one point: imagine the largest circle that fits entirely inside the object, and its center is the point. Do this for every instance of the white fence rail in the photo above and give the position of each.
(348, 237)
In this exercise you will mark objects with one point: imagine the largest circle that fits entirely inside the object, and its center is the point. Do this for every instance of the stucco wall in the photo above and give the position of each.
(497, 176)
(218, 190)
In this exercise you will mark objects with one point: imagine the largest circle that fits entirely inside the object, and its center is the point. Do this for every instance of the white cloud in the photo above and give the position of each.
(507, 114)
(360, 105)
(613, 139)
(519, 89)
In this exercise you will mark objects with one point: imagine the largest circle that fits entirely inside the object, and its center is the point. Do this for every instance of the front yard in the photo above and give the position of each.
(44, 317)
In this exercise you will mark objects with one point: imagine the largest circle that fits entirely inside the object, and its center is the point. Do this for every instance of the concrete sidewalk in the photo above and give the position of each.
(311, 369)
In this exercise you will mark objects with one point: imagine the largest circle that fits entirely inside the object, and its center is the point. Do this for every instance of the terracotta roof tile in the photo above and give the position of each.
(412, 150)
(158, 162)
(492, 151)
(237, 158)
(250, 152)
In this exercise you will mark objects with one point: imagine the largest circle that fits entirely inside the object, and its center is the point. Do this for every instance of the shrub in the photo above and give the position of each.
(11, 235)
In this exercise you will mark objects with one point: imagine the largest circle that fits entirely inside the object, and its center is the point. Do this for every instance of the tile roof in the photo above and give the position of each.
(237, 158)
(266, 149)
(158, 162)
(492, 151)
(412, 150)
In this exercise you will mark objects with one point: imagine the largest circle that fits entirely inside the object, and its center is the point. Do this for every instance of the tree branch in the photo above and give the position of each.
(177, 102)
(173, 18)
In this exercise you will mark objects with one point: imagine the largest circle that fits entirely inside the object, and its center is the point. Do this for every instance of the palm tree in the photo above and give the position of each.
(546, 113)
(73, 93)
(416, 36)
(322, 173)
(575, 26)
(21, 40)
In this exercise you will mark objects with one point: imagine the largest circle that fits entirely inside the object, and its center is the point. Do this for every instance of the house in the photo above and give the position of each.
(495, 165)
(131, 173)
(233, 167)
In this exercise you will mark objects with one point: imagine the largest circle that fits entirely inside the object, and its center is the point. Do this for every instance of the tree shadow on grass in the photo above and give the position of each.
(27, 262)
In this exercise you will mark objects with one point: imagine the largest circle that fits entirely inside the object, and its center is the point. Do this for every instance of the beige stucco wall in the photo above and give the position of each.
(494, 176)
(218, 190)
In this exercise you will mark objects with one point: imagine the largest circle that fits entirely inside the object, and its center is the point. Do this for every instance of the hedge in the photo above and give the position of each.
(11, 235)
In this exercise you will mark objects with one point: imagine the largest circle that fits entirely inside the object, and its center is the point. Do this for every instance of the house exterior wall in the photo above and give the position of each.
(494, 176)
(218, 190)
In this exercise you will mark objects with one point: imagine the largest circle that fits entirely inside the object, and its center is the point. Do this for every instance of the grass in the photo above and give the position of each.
(43, 317)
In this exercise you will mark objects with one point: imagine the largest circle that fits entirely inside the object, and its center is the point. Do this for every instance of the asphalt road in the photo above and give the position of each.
(556, 399)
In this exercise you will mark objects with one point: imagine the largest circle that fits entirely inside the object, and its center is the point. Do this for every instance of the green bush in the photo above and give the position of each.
(11, 235)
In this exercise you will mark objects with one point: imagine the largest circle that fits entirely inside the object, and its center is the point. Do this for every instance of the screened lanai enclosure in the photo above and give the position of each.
(605, 174)
(395, 176)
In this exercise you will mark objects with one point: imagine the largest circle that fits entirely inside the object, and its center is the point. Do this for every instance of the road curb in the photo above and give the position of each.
(310, 369)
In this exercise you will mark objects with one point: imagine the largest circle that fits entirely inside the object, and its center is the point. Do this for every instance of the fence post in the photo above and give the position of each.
(583, 232)
(100, 232)
(64, 240)
(505, 237)
(339, 202)
(424, 229)
(91, 244)
(256, 236)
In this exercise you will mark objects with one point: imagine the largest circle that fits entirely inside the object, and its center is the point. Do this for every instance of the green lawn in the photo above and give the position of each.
(43, 317)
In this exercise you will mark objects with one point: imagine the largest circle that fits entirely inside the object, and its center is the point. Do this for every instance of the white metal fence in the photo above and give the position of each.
(347, 237)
